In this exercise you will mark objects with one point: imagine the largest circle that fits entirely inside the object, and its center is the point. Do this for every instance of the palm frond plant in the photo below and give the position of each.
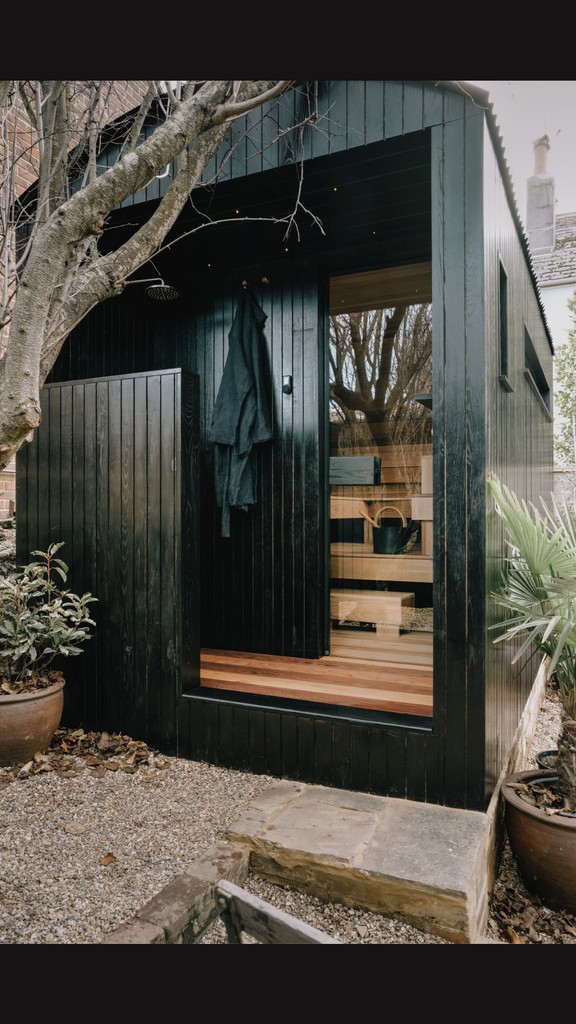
(538, 592)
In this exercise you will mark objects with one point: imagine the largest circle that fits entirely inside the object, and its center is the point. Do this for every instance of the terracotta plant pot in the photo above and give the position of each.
(544, 845)
(547, 759)
(28, 722)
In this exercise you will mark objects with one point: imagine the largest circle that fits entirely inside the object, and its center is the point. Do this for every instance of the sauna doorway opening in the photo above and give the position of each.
(380, 480)
(377, 413)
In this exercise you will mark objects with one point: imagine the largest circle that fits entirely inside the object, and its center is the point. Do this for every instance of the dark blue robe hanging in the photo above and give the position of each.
(241, 418)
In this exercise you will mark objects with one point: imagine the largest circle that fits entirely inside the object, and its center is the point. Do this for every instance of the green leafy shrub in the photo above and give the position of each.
(39, 621)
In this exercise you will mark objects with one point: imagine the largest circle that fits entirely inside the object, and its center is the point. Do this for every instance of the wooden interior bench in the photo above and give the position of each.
(381, 607)
(243, 913)
(348, 563)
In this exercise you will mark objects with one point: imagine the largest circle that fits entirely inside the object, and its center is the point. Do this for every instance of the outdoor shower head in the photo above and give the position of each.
(157, 289)
(162, 291)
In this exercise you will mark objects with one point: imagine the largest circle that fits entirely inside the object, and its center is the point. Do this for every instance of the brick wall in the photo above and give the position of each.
(124, 96)
(8, 491)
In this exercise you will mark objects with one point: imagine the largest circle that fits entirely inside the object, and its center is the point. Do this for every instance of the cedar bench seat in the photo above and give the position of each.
(382, 607)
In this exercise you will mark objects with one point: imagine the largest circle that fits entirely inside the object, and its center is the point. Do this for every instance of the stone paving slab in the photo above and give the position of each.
(425, 863)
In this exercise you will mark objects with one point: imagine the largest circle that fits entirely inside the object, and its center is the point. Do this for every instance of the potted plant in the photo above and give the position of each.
(40, 622)
(538, 592)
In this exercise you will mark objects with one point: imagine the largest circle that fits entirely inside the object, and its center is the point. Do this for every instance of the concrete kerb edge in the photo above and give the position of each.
(182, 911)
(489, 855)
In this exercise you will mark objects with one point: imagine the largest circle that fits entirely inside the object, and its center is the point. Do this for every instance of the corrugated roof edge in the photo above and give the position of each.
(482, 98)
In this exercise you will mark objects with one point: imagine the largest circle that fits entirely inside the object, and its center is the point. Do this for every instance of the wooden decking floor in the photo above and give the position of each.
(389, 676)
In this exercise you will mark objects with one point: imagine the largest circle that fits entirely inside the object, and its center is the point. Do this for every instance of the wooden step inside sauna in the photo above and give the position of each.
(382, 608)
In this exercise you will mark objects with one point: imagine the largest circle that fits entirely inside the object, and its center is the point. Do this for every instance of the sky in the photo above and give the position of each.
(524, 112)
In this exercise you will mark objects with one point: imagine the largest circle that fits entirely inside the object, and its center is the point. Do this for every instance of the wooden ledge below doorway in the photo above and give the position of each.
(393, 685)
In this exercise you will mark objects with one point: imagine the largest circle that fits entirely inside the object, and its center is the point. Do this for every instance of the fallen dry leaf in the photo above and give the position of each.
(72, 750)
(104, 742)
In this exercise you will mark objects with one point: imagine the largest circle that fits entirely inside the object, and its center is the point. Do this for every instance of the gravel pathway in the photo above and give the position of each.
(82, 850)
(90, 832)
(99, 825)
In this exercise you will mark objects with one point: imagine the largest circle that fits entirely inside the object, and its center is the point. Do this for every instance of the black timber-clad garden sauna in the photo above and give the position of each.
(340, 633)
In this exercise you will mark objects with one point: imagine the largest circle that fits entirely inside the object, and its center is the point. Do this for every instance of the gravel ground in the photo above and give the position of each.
(95, 828)
(82, 849)
(515, 915)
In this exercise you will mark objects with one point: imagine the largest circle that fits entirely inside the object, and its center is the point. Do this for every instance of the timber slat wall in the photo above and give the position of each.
(519, 449)
(350, 114)
(418, 165)
(112, 473)
(260, 587)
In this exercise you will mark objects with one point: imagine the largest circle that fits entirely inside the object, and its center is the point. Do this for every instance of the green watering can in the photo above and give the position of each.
(391, 536)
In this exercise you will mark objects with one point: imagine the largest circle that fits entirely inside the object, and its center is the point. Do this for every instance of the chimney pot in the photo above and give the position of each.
(541, 147)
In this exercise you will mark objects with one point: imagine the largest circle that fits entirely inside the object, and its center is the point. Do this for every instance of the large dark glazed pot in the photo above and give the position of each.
(28, 722)
(544, 845)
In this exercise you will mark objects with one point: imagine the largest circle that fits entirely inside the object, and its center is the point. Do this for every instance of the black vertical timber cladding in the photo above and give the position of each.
(260, 585)
(289, 738)
(241, 740)
(264, 588)
(226, 716)
(519, 450)
(86, 447)
(257, 742)
(306, 743)
(116, 461)
(374, 110)
(460, 467)
(360, 750)
(324, 741)
(455, 463)
(416, 758)
(476, 370)
(272, 744)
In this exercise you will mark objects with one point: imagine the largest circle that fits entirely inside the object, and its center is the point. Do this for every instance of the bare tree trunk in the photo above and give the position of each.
(63, 276)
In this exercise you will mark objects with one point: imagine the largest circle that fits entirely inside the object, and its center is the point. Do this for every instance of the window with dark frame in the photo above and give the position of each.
(534, 372)
(503, 329)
